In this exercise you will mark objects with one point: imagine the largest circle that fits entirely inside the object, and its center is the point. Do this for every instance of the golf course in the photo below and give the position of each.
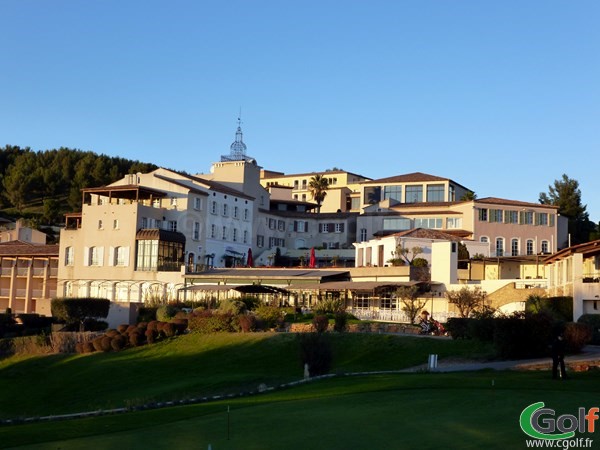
(346, 411)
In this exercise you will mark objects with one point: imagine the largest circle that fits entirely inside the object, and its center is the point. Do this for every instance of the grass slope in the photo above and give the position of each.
(191, 366)
(453, 411)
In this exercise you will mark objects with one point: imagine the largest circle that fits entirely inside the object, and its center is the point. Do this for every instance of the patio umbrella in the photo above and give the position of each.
(250, 260)
(313, 260)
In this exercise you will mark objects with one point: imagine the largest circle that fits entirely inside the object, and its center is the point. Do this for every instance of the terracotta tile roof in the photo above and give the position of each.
(408, 178)
(503, 201)
(219, 187)
(21, 248)
(587, 248)
(271, 174)
(424, 233)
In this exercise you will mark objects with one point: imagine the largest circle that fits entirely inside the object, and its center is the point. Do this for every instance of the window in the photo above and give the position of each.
(529, 246)
(120, 256)
(197, 203)
(272, 242)
(116, 224)
(235, 231)
(303, 197)
(173, 202)
(363, 234)
(541, 219)
(372, 194)
(196, 232)
(514, 247)
(396, 224)
(172, 225)
(303, 184)
(155, 255)
(432, 222)
(526, 217)
(387, 302)
(156, 203)
(281, 225)
(213, 231)
(495, 215)
(224, 232)
(144, 222)
(545, 247)
(435, 192)
(95, 256)
(245, 213)
(355, 203)
(392, 192)
(551, 219)
(235, 212)
(414, 194)
(483, 214)
(295, 184)
(499, 246)
(100, 225)
(484, 239)
(245, 236)
(300, 226)
(260, 241)
(324, 227)
(272, 224)
(511, 216)
(225, 210)
(361, 301)
(69, 256)
(454, 223)
(339, 227)
(213, 207)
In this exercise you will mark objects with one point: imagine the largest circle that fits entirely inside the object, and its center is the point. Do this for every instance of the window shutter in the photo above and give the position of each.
(100, 256)
(125, 256)
(111, 256)
(295, 225)
(320, 228)
(342, 227)
(86, 256)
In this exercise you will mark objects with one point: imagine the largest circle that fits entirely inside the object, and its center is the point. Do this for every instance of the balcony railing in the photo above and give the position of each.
(6, 271)
(591, 278)
(22, 271)
(37, 293)
(21, 292)
(38, 271)
(4, 292)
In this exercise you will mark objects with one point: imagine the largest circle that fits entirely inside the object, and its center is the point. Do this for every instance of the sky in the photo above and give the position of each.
(502, 97)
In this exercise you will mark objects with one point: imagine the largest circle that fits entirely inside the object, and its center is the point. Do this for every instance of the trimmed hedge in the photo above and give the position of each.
(77, 310)
(593, 320)
(212, 322)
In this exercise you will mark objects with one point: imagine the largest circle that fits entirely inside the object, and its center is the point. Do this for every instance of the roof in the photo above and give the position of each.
(270, 273)
(502, 201)
(192, 188)
(353, 285)
(408, 178)
(426, 233)
(587, 248)
(22, 248)
(270, 174)
(161, 235)
(130, 191)
(244, 289)
(219, 187)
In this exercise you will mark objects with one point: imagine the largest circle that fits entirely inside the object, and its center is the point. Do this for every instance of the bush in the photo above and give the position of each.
(211, 322)
(234, 307)
(105, 343)
(593, 320)
(458, 327)
(180, 325)
(117, 343)
(320, 323)
(79, 347)
(152, 326)
(315, 350)
(247, 323)
(112, 333)
(329, 306)
(577, 335)
(481, 329)
(559, 308)
(77, 310)
(166, 312)
(151, 336)
(122, 328)
(169, 329)
(136, 338)
(270, 315)
(96, 343)
(341, 321)
(250, 301)
(146, 314)
(88, 347)
(523, 337)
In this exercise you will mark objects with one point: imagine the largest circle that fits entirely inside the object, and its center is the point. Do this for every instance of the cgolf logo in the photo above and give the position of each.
(540, 423)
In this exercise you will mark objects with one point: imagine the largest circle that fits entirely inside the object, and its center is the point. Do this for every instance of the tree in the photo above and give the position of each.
(467, 300)
(565, 194)
(468, 196)
(403, 255)
(318, 186)
(78, 310)
(411, 305)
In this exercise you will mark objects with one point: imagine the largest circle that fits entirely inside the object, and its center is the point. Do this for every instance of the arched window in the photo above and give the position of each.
(545, 247)
(530, 246)
(499, 246)
(514, 247)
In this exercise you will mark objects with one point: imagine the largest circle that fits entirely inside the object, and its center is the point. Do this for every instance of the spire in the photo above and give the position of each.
(237, 148)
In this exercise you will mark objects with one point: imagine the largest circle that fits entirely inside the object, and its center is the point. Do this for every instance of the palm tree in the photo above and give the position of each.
(468, 196)
(318, 186)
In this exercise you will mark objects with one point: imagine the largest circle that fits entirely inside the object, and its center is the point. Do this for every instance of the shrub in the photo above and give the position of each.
(559, 308)
(142, 326)
(131, 329)
(136, 338)
(458, 327)
(79, 347)
(122, 328)
(269, 315)
(481, 329)
(112, 333)
(247, 323)
(166, 312)
(315, 350)
(320, 323)
(151, 336)
(88, 347)
(105, 343)
(593, 320)
(117, 343)
(180, 325)
(152, 325)
(77, 310)
(341, 321)
(234, 307)
(169, 329)
(209, 322)
(523, 337)
(97, 344)
(577, 335)
(146, 314)
(250, 301)
(329, 306)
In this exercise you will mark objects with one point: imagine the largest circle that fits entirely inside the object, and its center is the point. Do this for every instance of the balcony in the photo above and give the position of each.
(4, 292)
(22, 271)
(38, 271)
(6, 271)
(591, 278)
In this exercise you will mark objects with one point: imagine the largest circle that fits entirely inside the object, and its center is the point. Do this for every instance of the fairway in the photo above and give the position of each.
(460, 410)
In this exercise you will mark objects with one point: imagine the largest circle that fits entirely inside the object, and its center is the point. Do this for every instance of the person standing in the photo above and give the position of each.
(558, 357)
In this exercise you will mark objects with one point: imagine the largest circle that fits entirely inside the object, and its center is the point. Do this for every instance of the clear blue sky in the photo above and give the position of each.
(502, 97)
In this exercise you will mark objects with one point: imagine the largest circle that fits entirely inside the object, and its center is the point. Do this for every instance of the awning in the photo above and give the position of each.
(353, 285)
(157, 234)
(244, 289)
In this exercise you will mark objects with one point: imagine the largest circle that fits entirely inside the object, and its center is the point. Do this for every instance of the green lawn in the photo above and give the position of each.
(454, 411)
(192, 366)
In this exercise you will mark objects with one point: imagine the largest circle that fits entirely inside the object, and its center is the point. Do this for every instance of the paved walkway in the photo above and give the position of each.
(590, 354)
